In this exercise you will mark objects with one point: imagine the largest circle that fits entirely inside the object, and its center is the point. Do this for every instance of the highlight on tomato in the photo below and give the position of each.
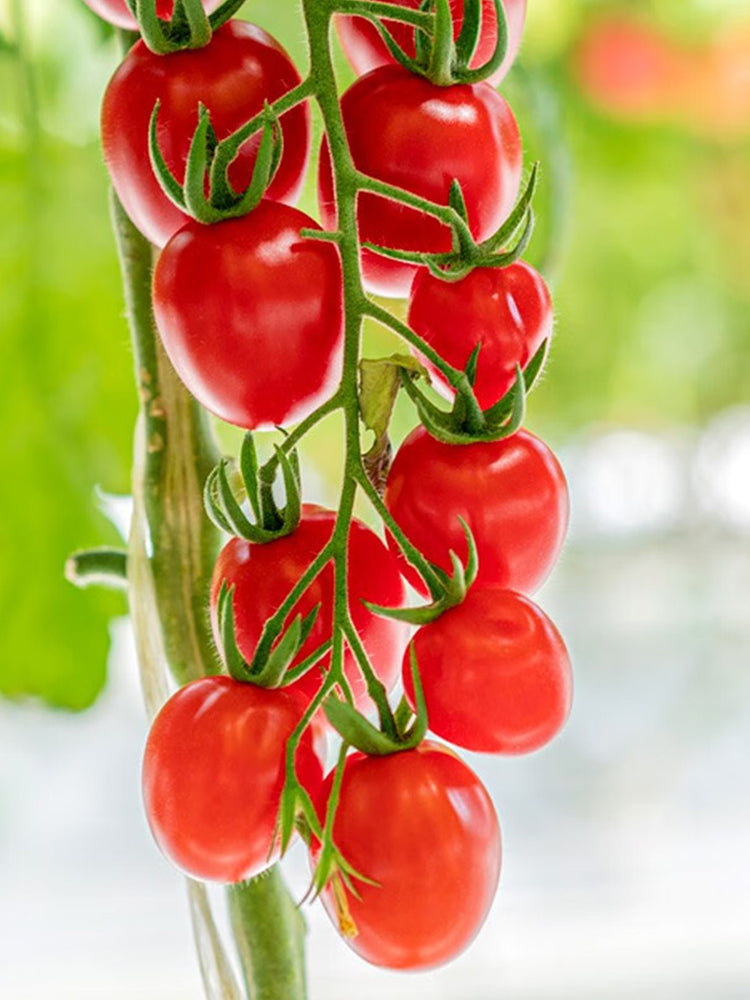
(422, 826)
(366, 50)
(495, 673)
(232, 76)
(251, 315)
(213, 773)
(511, 493)
(412, 134)
(263, 575)
(506, 310)
(118, 13)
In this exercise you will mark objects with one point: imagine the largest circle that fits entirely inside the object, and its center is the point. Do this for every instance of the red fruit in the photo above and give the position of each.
(507, 310)
(263, 575)
(495, 673)
(232, 76)
(251, 315)
(421, 825)
(406, 131)
(213, 773)
(511, 493)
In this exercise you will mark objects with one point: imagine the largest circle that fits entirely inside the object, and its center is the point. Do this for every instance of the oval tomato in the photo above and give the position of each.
(495, 673)
(263, 575)
(213, 773)
(118, 13)
(406, 131)
(365, 49)
(240, 69)
(250, 314)
(511, 493)
(422, 826)
(507, 310)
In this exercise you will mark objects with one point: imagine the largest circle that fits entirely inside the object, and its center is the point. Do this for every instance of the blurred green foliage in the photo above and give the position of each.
(644, 228)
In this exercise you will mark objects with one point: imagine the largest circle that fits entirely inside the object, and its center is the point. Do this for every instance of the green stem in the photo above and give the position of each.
(98, 567)
(295, 436)
(412, 554)
(373, 10)
(269, 929)
(443, 213)
(454, 376)
(174, 452)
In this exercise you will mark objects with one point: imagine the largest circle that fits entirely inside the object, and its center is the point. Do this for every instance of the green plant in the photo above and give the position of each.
(261, 313)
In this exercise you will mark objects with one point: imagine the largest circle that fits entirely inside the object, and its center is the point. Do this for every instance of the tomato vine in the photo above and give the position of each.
(307, 657)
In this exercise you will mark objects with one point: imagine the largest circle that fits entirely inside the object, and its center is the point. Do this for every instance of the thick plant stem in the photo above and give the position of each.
(174, 452)
(269, 930)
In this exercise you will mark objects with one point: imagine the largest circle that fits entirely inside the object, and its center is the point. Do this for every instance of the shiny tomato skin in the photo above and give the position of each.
(365, 49)
(511, 493)
(232, 76)
(406, 131)
(118, 13)
(420, 824)
(213, 772)
(495, 673)
(251, 315)
(507, 310)
(263, 575)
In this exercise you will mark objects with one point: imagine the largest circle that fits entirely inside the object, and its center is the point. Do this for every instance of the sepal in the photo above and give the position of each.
(502, 248)
(189, 27)
(453, 590)
(354, 728)
(271, 671)
(222, 201)
(256, 483)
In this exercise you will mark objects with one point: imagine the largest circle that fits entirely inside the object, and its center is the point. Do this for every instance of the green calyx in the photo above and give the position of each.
(189, 27)
(450, 590)
(273, 669)
(438, 57)
(407, 729)
(254, 483)
(222, 201)
(466, 422)
(504, 247)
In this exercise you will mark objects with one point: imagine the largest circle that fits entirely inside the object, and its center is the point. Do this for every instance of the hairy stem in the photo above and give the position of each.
(269, 930)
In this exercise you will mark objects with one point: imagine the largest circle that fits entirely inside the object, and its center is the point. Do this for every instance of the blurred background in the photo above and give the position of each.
(627, 841)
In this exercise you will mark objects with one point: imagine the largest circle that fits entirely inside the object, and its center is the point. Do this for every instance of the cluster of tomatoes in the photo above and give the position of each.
(251, 314)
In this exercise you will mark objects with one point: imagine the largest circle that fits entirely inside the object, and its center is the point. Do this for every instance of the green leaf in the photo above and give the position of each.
(380, 380)
(67, 409)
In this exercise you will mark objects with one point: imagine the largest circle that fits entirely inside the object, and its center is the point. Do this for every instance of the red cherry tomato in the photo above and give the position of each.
(507, 310)
(263, 575)
(495, 673)
(420, 824)
(232, 76)
(511, 493)
(365, 49)
(250, 314)
(213, 772)
(118, 13)
(406, 131)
